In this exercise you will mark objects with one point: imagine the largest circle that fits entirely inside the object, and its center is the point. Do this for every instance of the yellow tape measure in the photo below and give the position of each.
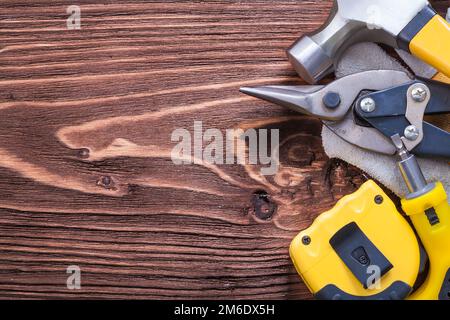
(362, 249)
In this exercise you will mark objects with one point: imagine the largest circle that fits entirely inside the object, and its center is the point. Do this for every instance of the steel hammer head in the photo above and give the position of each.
(385, 21)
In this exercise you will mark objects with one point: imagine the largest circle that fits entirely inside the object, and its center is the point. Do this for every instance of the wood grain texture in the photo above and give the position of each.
(85, 171)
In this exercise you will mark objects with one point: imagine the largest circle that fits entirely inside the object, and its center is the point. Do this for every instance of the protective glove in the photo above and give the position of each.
(364, 57)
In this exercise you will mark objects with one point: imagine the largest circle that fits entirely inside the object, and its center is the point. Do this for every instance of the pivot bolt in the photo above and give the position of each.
(332, 100)
(412, 133)
(368, 105)
(419, 94)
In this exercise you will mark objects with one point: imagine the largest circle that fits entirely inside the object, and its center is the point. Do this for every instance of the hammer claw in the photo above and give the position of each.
(412, 25)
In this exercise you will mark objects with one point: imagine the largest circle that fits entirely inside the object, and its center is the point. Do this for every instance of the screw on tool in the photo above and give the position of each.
(419, 94)
(379, 199)
(306, 240)
(368, 105)
(412, 133)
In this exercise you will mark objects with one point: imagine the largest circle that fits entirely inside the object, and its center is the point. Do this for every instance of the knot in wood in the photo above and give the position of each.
(263, 205)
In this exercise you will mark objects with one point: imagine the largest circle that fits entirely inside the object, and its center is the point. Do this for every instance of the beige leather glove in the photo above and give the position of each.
(364, 57)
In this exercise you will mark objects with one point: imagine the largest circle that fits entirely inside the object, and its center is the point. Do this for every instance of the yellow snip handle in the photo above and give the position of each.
(442, 121)
(432, 44)
(436, 241)
(441, 77)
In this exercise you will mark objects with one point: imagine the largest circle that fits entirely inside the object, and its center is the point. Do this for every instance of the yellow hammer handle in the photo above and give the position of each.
(432, 44)
(436, 241)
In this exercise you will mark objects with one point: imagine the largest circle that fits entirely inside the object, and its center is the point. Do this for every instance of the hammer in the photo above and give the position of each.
(411, 25)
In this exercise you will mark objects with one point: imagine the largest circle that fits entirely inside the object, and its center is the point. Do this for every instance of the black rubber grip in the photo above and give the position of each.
(397, 291)
(445, 291)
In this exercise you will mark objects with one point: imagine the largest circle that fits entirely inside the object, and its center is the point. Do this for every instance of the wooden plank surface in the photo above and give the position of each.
(85, 171)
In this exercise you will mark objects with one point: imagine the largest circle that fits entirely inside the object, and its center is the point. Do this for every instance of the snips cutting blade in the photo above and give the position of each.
(334, 104)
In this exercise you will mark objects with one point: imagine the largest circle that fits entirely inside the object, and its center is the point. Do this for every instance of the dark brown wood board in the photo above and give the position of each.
(85, 171)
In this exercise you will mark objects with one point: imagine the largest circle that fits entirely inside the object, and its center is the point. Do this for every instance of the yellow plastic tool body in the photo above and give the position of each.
(435, 239)
(432, 44)
(319, 265)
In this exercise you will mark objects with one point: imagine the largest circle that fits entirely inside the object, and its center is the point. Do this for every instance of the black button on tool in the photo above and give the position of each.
(432, 216)
(359, 253)
(332, 100)
(361, 256)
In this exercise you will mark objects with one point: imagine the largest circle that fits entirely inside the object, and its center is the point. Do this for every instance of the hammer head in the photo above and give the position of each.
(315, 55)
